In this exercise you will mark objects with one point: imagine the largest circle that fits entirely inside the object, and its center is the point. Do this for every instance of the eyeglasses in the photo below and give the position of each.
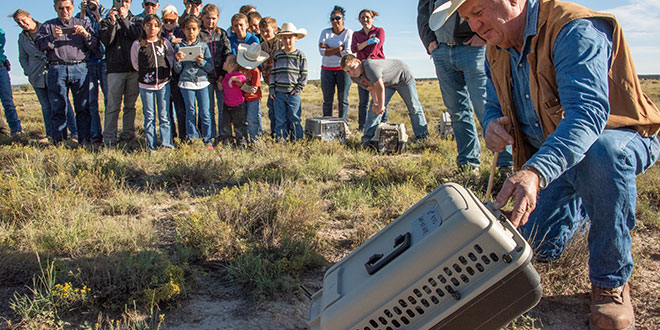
(336, 18)
(169, 21)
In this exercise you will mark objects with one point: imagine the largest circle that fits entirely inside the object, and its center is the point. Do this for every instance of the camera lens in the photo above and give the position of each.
(91, 6)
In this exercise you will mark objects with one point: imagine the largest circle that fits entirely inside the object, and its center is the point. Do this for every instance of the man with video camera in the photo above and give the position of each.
(118, 31)
(67, 42)
(93, 12)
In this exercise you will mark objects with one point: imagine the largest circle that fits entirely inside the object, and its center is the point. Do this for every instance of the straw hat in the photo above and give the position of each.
(442, 13)
(290, 29)
(250, 56)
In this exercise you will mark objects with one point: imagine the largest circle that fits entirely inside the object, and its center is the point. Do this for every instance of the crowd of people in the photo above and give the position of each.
(552, 84)
(196, 80)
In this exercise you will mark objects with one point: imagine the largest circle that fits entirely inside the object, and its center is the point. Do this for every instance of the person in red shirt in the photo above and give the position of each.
(367, 44)
(249, 58)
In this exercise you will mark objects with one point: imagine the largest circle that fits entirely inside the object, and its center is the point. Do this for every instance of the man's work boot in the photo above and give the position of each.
(611, 309)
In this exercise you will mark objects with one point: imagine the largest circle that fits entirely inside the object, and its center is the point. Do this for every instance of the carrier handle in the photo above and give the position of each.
(377, 261)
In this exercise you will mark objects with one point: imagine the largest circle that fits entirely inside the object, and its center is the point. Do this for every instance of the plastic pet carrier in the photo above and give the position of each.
(390, 138)
(445, 129)
(327, 129)
(447, 263)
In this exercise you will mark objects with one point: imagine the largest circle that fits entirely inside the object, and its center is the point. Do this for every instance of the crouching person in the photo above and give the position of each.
(382, 78)
(563, 91)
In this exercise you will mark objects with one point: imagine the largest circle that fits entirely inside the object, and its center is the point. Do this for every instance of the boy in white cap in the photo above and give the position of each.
(287, 80)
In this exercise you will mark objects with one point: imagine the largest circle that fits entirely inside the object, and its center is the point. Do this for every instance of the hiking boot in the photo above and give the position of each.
(611, 309)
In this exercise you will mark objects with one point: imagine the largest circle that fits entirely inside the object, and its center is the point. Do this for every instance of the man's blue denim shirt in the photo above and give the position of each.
(581, 57)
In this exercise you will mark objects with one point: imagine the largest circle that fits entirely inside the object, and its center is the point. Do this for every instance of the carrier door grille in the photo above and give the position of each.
(444, 285)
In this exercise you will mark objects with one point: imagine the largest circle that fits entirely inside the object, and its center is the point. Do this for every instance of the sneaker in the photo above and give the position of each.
(17, 135)
(467, 169)
(611, 309)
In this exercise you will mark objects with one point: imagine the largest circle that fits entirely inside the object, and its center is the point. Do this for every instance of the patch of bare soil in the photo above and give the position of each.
(228, 307)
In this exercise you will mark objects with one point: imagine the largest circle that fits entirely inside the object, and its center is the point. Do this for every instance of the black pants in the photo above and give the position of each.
(236, 116)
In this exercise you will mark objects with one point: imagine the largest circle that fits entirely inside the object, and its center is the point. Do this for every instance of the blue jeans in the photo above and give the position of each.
(287, 116)
(177, 109)
(603, 183)
(7, 100)
(202, 96)
(270, 104)
(61, 78)
(415, 112)
(215, 95)
(462, 77)
(330, 79)
(44, 101)
(150, 101)
(98, 77)
(253, 119)
(363, 107)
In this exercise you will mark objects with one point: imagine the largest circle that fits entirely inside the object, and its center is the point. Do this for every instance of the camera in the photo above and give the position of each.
(195, 2)
(92, 6)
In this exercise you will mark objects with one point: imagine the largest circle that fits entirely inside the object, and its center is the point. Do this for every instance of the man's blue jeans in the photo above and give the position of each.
(330, 79)
(61, 78)
(44, 100)
(287, 115)
(7, 100)
(462, 78)
(160, 100)
(98, 79)
(202, 96)
(415, 112)
(603, 183)
(253, 119)
(363, 107)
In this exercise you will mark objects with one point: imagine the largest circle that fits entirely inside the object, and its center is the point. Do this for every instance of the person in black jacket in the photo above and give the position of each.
(218, 43)
(118, 31)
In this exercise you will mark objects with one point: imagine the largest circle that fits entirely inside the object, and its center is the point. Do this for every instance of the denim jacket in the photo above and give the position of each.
(191, 71)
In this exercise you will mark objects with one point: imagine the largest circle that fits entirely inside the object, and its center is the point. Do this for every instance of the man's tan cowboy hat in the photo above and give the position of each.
(442, 13)
(250, 56)
(290, 29)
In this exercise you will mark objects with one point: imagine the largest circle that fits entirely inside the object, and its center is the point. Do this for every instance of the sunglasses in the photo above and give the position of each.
(336, 18)
(169, 21)
(149, 4)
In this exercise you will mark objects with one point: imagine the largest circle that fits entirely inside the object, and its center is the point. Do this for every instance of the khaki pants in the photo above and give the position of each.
(120, 85)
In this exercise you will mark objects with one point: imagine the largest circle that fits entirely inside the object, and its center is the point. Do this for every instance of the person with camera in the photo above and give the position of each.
(6, 93)
(118, 31)
(67, 42)
(93, 12)
(193, 8)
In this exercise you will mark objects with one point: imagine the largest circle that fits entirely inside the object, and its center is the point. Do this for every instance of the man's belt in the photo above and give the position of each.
(65, 62)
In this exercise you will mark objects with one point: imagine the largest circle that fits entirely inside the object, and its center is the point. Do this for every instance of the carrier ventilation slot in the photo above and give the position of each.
(445, 285)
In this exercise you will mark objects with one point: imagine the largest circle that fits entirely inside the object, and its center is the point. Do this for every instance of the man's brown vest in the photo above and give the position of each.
(629, 106)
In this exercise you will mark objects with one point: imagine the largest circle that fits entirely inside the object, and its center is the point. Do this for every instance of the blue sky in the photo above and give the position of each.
(640, 20)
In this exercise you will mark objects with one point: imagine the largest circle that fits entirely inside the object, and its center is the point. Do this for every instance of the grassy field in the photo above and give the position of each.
(120, 238)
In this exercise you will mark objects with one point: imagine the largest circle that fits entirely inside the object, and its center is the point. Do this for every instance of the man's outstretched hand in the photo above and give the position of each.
(523, 187)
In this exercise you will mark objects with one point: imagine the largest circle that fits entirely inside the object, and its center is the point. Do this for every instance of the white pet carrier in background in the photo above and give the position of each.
(327, 129)
(390, 138)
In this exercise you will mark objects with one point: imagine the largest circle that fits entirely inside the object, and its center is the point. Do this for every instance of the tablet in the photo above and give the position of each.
(190, 53)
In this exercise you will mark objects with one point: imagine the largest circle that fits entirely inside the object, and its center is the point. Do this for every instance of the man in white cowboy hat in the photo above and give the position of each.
(563, 90)
(250, 57)
(459, 56)
(287, 80)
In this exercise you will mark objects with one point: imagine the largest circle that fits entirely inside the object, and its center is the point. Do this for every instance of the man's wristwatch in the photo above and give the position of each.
(542, 183)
